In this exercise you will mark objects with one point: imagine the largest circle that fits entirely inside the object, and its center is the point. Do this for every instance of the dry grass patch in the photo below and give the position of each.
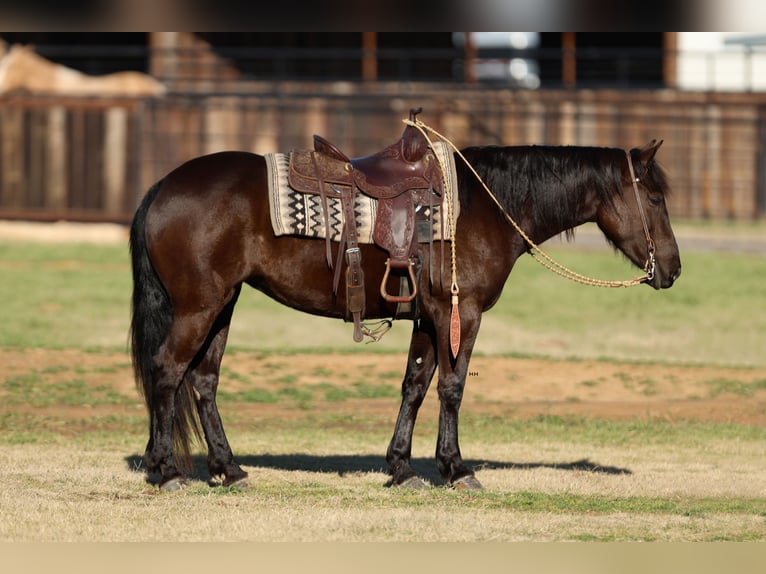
(95, 491)
(686, 461)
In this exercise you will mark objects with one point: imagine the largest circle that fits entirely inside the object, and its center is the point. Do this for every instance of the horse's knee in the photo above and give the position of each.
(450, 394)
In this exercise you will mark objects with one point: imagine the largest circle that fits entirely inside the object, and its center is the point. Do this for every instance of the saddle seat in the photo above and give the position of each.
(403, 166)
(400, 177)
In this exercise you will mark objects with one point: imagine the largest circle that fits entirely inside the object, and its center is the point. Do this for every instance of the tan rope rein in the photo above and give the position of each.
(535, 251)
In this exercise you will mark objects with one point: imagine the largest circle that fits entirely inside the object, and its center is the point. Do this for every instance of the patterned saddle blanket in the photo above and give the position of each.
(296, 213)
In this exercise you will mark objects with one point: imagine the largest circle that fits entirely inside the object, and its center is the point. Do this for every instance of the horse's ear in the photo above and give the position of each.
(647, 152)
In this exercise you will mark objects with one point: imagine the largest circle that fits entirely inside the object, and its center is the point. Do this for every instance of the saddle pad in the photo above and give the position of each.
(296, 213)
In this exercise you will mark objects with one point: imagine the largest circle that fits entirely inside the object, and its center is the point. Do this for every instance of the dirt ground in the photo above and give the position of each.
(513, 387)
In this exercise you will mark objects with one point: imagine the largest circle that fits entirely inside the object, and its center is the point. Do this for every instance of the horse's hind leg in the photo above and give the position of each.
(204, 376)
(172, 402)
(186, 347)
(421, 364)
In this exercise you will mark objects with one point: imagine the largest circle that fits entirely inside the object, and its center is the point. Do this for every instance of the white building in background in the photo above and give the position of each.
(721, 61)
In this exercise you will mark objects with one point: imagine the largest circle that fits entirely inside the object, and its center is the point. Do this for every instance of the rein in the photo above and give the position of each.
(534, 250)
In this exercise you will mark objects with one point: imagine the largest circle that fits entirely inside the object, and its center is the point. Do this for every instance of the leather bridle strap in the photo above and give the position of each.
(649, 267)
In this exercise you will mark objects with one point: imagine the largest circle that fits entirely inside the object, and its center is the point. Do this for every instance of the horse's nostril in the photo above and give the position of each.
(672, 279)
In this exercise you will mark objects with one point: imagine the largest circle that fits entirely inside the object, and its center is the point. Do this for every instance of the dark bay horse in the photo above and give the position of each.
(204, 230)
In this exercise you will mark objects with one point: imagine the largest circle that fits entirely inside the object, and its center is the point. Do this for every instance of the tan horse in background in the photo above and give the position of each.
(22, 69)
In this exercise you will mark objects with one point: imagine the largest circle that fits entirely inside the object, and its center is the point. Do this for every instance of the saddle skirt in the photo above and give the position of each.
(294, 212)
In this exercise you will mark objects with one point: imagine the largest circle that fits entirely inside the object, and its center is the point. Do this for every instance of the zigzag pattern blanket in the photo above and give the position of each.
(296, 213)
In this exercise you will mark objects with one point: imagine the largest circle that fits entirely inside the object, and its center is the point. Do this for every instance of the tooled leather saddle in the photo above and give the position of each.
(401, 177)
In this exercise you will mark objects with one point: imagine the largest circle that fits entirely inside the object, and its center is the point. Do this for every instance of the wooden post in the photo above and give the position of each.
(115, 159)
(56, 158)
(568, 59)
(12, 155)
(670, 59)
(469, 59)
(369, 56)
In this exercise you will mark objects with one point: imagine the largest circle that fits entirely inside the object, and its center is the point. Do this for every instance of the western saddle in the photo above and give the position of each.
(402, 177)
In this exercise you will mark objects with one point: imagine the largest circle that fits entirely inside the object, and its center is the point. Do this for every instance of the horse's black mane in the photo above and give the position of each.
(552, 181)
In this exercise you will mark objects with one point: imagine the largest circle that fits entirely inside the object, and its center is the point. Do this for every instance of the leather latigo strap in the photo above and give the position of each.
(355, 296)
(325, 210)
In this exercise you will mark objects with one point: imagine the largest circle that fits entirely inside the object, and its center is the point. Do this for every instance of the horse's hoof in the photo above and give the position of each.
(173, 484)
(469, 482)
(413, 483)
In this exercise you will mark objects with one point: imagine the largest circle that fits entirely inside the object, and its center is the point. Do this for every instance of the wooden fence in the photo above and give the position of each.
(69, 158)
(92, 159)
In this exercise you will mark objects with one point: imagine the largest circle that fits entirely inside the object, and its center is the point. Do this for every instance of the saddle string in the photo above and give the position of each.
(376, 333)
(454, 326)
(535, 251)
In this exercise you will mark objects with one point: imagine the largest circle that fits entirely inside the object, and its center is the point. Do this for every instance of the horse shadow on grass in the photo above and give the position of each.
(352, 464)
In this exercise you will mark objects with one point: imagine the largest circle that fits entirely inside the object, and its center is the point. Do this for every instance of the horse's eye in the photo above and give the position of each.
(656, 198)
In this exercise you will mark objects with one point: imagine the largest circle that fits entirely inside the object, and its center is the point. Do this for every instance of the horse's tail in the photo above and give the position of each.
(151, 317)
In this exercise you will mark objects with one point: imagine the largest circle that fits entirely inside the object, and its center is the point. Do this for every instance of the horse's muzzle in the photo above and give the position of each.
(662, 281)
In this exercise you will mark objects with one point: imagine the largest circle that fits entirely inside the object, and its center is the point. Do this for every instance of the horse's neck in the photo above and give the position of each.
(553, 222)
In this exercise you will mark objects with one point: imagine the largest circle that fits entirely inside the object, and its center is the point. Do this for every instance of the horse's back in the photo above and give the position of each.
(215, 169)
(211, 185)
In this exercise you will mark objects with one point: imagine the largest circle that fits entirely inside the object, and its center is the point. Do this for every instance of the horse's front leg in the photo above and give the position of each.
(421, 364)
(452, 376)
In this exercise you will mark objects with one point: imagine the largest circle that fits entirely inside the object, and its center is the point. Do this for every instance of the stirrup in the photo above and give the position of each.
(399, 298)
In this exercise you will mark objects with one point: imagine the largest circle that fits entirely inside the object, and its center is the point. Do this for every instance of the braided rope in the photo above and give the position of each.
(535, 251)
(447, 192)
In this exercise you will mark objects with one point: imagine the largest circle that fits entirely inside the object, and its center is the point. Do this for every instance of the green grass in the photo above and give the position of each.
(623, 433)
(31, 389)
(284, 389)
(58, 296)
(565, 503)
(46, 388)
(78, 296)
(721, 386)
(714, 314)
(523, 501)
